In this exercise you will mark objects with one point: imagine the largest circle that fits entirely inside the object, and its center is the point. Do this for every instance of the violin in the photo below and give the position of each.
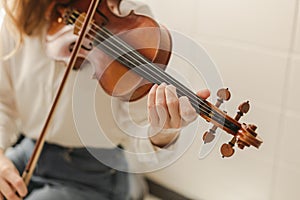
(122, 49)
(130, 54)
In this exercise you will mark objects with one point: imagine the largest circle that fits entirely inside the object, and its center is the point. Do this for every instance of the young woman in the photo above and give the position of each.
(28, 82)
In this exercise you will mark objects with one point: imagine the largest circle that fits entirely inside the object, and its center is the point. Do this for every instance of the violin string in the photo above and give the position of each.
(216, 115)
(129, 49)
(205, 109)
(217, 118)
(92, 37)
(144, 60)
(194, 102)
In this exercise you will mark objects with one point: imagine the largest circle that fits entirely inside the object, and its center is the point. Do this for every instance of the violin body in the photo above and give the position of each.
(129, 54)
(140, 32)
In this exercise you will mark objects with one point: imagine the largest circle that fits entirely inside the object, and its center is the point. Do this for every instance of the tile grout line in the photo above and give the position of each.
(285, 95)
(244, 45)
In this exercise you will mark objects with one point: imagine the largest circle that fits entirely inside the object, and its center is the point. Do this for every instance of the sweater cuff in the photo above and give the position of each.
(5, 141)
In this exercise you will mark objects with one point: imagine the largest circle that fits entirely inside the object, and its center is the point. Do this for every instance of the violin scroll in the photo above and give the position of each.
(243, 136)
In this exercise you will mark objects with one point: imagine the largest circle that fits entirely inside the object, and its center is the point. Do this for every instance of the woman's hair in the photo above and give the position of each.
(25, 17)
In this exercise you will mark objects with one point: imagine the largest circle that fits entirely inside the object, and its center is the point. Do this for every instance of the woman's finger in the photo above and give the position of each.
(187, 112)
(17, 183)
(161, 107)
(8, 191)
(173, 106)
(152, 114)
(204, 94)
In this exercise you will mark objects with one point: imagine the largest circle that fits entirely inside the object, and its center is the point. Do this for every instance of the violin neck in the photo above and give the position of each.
(131, 58)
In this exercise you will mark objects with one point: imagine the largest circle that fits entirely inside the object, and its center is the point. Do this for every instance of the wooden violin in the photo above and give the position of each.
(129, 54)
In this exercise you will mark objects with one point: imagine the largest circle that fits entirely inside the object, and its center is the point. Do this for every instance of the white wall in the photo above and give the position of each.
(256, 45)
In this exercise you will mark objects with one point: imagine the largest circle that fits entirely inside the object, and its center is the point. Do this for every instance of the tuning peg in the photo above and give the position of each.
(224, 95)
(242, 144)
(227, 150)
(251, 129)
(243, 109)
(209, 136)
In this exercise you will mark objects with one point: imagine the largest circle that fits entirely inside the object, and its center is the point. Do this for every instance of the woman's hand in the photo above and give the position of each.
(167, 113)
(10, 180)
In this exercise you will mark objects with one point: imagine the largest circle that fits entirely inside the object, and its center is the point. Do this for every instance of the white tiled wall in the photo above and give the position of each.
(297, 42)
(250, 21)
(256, 45)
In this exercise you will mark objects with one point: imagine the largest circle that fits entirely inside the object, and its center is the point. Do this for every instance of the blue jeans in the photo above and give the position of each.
(71, 174)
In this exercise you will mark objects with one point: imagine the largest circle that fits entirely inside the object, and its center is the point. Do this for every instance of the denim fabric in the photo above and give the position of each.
(72, 173)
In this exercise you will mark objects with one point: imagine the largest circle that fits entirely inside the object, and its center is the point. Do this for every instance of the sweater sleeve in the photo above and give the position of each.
(8, 111)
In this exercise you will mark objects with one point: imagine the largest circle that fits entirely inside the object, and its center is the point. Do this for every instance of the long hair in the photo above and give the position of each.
(25, 17)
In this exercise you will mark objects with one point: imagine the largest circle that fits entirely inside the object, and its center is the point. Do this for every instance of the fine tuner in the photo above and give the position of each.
(243, 138)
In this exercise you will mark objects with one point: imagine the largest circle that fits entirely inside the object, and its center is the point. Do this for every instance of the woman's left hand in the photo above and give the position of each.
(167, 112)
